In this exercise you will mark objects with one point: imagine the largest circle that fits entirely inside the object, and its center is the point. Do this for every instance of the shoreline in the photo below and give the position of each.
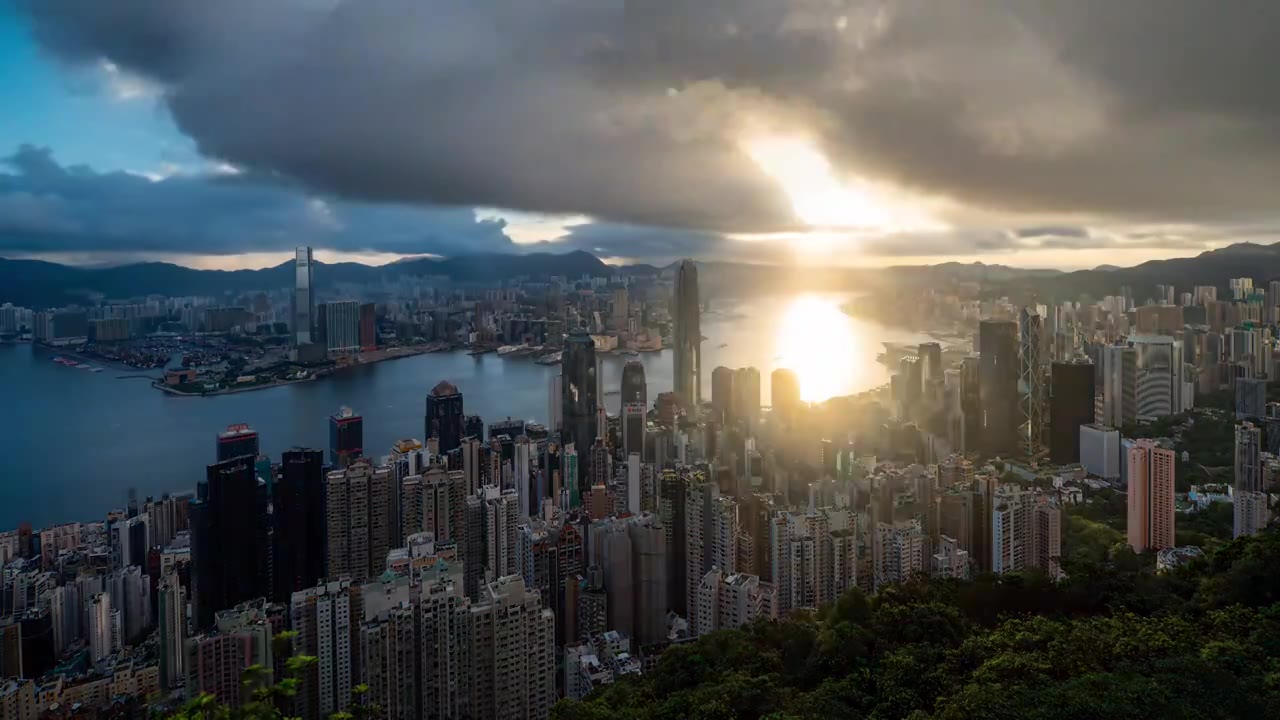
(400, 353)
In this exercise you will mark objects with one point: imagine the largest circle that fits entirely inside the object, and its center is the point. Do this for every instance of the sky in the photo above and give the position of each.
(1033, 133)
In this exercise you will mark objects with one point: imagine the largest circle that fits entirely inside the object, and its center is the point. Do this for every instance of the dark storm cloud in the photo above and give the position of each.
(48, 208)
(633, 111)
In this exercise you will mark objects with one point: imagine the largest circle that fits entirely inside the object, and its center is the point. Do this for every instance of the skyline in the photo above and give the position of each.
(796, 132)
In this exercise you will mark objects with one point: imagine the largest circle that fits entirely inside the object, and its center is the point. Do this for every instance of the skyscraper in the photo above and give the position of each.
(634, 389)
(784, 393)
(1158, 367)
(1070, 407)
(228, 539)
(1119, 386)
(342, 325)
(722, 394)
(304, 302)
(298, 522)
(358, 521)
(511, 655)
(998, 385)
(746, 394)
(346, 437)
(633, 424)
(1150, 496)
(581, 401)
(368, 326)
(237, 441)
(1249, 505)
(327, 619)
(1032, 397)
(444, 420)
(172, 599)
(687, 353)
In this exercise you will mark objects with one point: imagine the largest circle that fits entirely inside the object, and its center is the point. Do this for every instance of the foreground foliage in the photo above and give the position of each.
(1114, 639)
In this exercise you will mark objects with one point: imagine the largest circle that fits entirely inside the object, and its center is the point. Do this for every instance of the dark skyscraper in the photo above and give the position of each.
(784, 392)
(1070, 406)
(998, 385)
(931, 355)
(473, 427)
(971, 403)
(579, 388)
(444, 416)
(228, 539)
(298, 522)
(687, 336)
(633, 384)
(237, 441)
(346, 437)
(722, 394)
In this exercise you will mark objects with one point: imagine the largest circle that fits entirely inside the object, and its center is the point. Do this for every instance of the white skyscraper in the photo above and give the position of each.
(101, 640)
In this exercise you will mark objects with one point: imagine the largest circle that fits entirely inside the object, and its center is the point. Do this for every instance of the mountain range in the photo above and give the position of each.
(37, 283)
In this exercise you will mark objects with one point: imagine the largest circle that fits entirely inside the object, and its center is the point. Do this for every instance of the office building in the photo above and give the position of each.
(1251, 398)
(444, 419)
(237, 441)
(998, 385)
(633, 427)
(326, 619)
(1119, 386)
(687, 336)
(304, 302)
(1249, 501)
(581, 399)
(1070, 407)
(368, 327)
(346, 438)
(555, 402)
(634, 389)
(342, 325)
(784, 393)
(1158, 366)
(1100, 451)
(298, 523)
(930, 354)
(722, 394)
(746, 395)
(171, 598)
(1033, 396)
(1150, 496)
(357, 521)
(229, 547)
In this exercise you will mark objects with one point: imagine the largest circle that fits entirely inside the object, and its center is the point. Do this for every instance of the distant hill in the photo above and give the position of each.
(1212, 267)
(38, 284)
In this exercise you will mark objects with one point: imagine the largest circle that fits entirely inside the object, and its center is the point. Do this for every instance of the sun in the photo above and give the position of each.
(823, 199)
(816, 342)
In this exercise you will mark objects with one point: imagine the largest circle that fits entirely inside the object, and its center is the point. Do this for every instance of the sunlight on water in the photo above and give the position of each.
(816, 340)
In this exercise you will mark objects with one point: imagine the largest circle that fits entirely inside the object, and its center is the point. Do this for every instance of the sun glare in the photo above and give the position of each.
(816, 341)
(823, 199)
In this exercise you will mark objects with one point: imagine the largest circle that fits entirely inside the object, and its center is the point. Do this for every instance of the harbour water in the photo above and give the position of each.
(72, 442)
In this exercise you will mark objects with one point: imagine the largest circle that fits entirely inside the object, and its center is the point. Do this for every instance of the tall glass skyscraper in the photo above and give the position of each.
(444, 416)
(304, 301)
(633, 384)
(687, 336)
(580, 394)
(998, 385)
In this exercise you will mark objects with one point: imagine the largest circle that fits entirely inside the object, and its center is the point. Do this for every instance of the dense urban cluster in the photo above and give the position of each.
(686, 545)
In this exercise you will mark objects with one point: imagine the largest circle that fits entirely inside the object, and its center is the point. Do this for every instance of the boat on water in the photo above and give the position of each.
(508, 349)
(552, 359)
(82, 366)
(95, 369)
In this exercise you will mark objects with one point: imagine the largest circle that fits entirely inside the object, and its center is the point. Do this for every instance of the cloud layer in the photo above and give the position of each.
(1021, 113)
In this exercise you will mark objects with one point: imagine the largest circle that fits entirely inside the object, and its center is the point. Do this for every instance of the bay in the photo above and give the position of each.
(72, 442)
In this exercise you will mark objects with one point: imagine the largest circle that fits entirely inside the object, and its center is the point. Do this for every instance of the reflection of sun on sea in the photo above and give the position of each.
(815, 340)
